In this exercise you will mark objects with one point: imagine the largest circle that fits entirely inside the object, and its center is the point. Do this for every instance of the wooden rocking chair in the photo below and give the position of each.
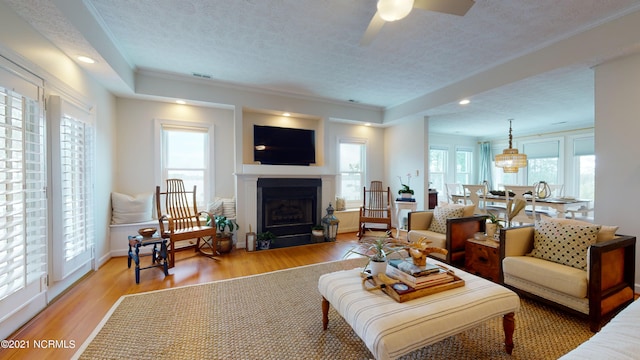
(376, 209)
(181, 221)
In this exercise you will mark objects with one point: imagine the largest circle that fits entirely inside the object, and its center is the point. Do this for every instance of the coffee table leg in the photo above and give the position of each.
(509, 325)
(325, 313)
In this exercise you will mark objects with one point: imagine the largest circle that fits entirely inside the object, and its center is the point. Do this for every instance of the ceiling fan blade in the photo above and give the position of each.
(372, 30)
(453, 7)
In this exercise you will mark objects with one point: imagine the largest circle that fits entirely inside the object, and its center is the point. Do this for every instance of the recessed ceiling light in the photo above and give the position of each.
(464, 102)
(367, 124)
(286, 114)
(86, 59)
(181, 102)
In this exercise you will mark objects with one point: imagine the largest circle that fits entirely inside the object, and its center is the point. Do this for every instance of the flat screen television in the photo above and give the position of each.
(283, 146)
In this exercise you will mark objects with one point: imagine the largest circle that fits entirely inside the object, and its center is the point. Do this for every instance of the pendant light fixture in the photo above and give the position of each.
(510, 160)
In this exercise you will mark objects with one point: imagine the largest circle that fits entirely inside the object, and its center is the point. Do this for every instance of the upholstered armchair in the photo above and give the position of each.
(595, 278)
(446, 229)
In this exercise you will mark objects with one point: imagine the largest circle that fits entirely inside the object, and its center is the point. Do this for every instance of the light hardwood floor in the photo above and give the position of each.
(74, 315)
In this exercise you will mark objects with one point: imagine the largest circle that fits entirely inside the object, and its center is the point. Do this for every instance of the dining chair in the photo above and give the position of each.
(452, 189)
(519, 203)
(476, 194)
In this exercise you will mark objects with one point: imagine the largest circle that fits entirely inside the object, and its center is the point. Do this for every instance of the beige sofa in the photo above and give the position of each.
(451, 236)
(619, 339)
(599, 290)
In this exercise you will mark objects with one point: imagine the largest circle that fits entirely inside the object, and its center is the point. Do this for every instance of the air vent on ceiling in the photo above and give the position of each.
(203, 76)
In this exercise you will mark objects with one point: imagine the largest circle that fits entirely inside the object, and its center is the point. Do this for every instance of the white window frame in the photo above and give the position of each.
(469, 173)
(560, 160)
(576, 162)
(209, 170)
(355, 203)
(25, 265)
(441, 188)
(72, 184)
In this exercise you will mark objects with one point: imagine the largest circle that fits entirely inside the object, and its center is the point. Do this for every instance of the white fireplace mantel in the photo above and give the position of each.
(247, 191)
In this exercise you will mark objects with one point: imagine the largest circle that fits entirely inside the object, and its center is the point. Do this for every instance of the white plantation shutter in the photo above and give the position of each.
(23, 203)
(73, 225)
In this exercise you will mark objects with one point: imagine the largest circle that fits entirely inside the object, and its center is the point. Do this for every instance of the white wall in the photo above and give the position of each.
(617, 89)
(405, 153)
(136, 146)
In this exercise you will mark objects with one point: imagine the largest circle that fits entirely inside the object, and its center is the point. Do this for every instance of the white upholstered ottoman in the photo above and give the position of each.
(391, 329)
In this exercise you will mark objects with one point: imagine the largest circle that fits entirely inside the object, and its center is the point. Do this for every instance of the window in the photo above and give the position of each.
(438, 168)
(23, 203)
(351, 159)
(72, 178)
(585, 164)
(185, 153)
(463, 166)
(543, 161)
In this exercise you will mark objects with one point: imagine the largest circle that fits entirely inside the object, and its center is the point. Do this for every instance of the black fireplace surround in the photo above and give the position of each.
(289, 207)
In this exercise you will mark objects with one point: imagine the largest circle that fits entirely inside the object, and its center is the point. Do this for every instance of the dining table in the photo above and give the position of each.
(561, 205)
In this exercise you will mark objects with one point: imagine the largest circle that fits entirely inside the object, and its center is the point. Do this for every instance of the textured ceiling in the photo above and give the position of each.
(312, 47)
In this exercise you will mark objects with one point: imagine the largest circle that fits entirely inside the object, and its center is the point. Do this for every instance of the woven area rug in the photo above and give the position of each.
(277, 315)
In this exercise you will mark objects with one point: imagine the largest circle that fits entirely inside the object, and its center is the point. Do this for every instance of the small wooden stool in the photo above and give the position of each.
(158, 256)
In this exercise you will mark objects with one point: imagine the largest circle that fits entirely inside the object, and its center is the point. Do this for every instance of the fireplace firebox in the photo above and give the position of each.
(288, 208)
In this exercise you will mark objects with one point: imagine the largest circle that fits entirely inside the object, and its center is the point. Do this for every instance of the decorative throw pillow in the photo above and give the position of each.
(229, 208)
(340, 204)
(440, 216)
(215, 207)
(467, 210)
(565, 244)
(127, 209)
(606, 232)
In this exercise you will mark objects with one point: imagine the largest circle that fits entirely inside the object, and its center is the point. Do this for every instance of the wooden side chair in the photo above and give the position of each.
(180, 221)
(451, 190)
(524, 216)
(376, 209)
(477, 195)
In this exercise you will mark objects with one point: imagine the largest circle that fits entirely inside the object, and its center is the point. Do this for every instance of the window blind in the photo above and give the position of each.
(23, 214)
(583, 146)
(72, 176)
(77, 204)
(542, 150)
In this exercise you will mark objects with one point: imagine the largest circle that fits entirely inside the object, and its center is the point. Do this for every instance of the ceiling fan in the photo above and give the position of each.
(392, 10)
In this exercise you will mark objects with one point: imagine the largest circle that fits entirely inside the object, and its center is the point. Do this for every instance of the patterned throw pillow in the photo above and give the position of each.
(440, 216)
(565, 244)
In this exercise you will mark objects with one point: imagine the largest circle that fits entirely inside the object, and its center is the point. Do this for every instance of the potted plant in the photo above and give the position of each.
(377, 250)
(224, 234)
(317, 232)
(405, 191)
(265, 239)
(493, 224)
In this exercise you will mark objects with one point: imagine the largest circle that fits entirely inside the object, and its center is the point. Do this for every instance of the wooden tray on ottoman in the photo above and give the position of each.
(406, 292)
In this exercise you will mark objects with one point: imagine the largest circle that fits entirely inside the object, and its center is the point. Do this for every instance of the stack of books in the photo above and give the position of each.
(418, 277)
